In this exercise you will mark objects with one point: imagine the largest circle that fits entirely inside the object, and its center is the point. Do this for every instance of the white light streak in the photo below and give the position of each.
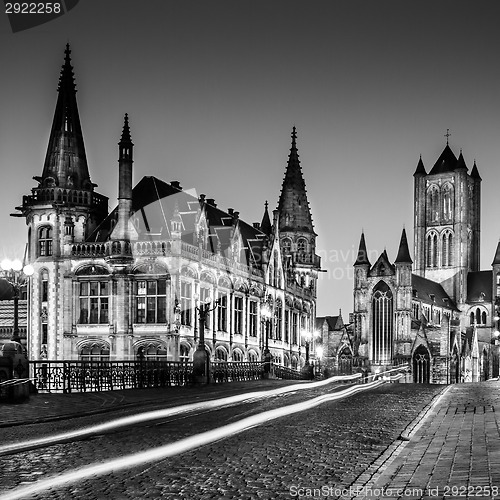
(182, 445)
(165, 413)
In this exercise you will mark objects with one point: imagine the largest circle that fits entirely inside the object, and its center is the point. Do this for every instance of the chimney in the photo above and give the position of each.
(256, 225)
(176, 184)
(230, 211)
(211, 201)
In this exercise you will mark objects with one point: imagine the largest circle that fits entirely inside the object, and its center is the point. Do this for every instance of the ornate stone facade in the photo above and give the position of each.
(128, 283)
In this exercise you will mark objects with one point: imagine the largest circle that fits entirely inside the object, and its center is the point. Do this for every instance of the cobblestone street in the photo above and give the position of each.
(330, 445)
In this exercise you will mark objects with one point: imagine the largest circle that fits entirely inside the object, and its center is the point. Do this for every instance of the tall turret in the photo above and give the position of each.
(297, 236)
(66, 162)
(447, 222)
(123, 231)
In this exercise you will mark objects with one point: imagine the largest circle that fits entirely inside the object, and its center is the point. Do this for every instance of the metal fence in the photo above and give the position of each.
(88, 376)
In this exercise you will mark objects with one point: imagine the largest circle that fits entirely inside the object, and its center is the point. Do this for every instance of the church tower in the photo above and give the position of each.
(297, 236)
(447, 222)
(60, 212)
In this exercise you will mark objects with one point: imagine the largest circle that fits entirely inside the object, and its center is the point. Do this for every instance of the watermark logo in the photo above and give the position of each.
(25, 15)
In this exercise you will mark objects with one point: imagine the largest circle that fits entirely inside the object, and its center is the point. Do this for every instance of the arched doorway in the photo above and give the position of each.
(421, 365)
(345, 361)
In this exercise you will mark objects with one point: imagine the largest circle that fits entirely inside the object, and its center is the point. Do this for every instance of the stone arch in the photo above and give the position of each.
(151, 350)
(237, 354)
(221, 353)
(93, 350)
(421, 363)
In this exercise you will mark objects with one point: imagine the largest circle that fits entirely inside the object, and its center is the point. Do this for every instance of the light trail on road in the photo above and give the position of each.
(182, 445)
(165, 413)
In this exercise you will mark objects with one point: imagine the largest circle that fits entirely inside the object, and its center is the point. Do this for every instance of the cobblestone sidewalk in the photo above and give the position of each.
(454, 453)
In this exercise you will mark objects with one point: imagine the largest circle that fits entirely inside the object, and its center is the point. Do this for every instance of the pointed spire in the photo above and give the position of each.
(446, 162)
(265, 225)
(125, 139)
(496, 259)
(475, 172)
(362, 258)
(66, 162)
(294, 212)
(420, 170)
(403, 252)
(461, 162)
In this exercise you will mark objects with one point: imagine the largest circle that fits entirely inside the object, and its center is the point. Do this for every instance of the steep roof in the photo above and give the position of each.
(475, 172)
(333, 322)
(447, 162)
(426, 289)
(496, 259)
(66, 160)
(403, 252)
(382, 266)
(479, 286)
(420, 170)
(154, 203)
(362, 257)
(265, 225)
(294, 212)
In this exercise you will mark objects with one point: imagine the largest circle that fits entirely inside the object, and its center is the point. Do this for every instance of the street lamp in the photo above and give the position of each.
(308, 337)
(17, 276)
(265, 314)
(201, 360)
(319, 355)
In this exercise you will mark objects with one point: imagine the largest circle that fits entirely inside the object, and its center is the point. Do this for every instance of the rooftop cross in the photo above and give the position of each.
(447, 135)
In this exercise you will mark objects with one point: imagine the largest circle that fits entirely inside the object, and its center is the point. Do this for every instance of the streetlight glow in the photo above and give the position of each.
(17, 265)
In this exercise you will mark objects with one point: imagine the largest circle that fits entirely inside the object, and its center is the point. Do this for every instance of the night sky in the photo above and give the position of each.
(213, 89)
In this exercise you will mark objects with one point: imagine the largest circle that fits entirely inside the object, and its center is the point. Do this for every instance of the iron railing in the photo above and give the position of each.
(223, 371)
(91, 376)
(87, 376)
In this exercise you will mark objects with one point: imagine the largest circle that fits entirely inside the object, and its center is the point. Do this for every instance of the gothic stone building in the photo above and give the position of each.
(437, 314)
(126, 283)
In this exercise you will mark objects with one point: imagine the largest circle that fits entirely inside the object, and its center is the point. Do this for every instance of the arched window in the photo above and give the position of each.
(252, 356)
(220, 354)
(433, 204)
(152, 352)
(447, 203)
(446, 249)
(45, 241)
(432, 250)
(382, 323)
(301, 245)
(237, 355)
(286, 245)
(94, 352)
(472, 317)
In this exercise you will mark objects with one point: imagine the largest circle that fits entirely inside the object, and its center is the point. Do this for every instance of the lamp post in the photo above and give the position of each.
(265, 314)
(308, 337)
(201, 359)
(319, 355)
(17, 276)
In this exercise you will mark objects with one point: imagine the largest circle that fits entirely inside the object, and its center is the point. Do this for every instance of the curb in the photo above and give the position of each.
(371, 475)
